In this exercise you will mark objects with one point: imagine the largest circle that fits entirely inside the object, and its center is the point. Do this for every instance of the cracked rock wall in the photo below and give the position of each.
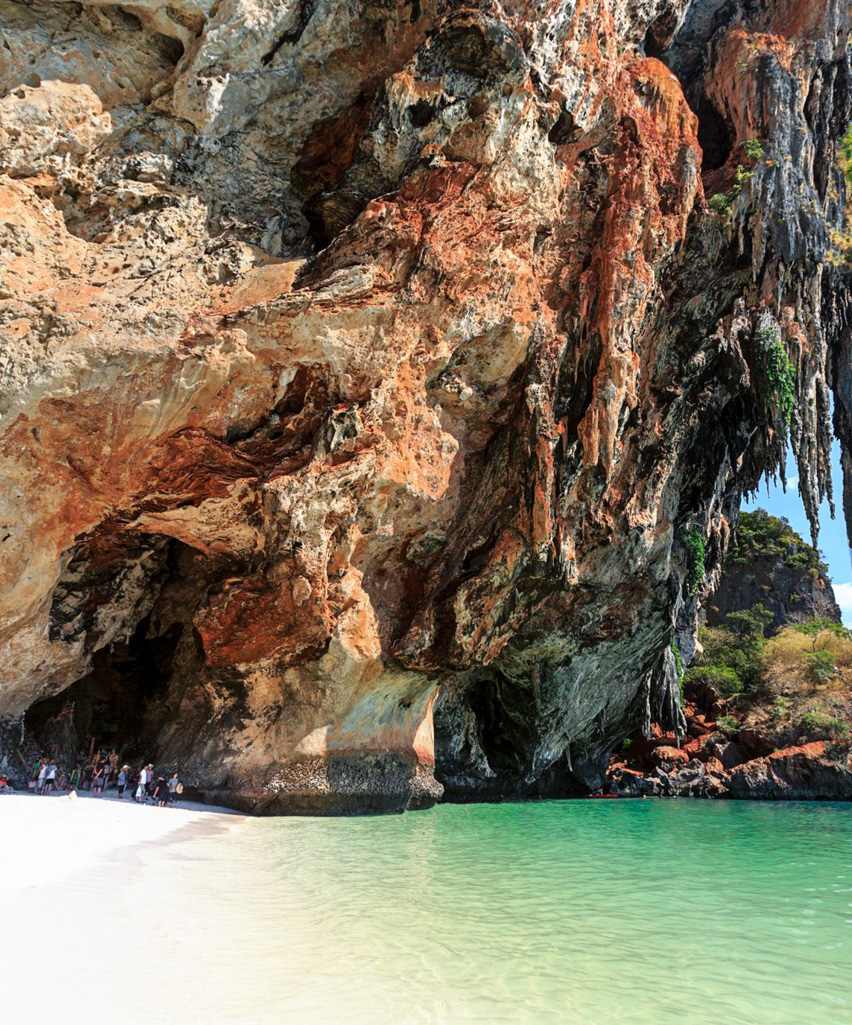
(382, 354)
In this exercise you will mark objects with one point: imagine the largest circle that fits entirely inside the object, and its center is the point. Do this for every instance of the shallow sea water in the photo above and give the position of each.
(576, 913)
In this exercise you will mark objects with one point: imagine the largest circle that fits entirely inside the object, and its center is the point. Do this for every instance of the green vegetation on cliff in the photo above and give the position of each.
(796, 685)
(779, 370)
(840, 252)
(778, 661)
(732, 653)
(693, 542)
(760, 536)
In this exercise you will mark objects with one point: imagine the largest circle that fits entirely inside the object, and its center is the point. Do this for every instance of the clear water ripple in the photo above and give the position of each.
(555, 913)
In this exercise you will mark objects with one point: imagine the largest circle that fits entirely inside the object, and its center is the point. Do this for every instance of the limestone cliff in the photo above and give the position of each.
(357, 352)
(770, 565)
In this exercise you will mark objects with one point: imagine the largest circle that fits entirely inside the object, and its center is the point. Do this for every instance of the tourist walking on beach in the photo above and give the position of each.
(50, 778)
(161, 794)
(140, 788)
(149, 784)
(122, 781)
(42, 774)
(97, 781)
(173, 785)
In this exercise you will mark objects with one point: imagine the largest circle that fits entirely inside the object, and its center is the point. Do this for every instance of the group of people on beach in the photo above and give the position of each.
(101, 771)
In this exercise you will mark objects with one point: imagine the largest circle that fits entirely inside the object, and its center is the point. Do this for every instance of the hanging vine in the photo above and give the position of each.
(778, 369)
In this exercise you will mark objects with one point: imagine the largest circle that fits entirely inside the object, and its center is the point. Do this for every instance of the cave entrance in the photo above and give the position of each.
(715, 135)
(497, 720)
(113, 707)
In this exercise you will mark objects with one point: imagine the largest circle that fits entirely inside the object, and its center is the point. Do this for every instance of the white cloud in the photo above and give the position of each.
(843, 594)
(792, 483)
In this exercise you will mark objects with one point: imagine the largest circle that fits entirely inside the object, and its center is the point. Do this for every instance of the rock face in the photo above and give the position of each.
(785, 576)
(711, 765)
(359, 352)
(794, 773)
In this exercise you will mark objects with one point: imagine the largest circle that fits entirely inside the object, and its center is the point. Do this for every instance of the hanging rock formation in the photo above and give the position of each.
(360, 352)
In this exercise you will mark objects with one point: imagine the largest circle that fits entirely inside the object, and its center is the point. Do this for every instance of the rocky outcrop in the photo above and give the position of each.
(793, 773)
(771, 566)
(711, 764)
(357, 353)
(790, 595)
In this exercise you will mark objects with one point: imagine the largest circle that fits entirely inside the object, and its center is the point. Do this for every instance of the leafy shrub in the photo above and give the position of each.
(743, 177)
(780, 707)
(821, 665)
(749, 623)
(815, 626)
(720, 203)
(806, 655)
(728, 724)
(753, 149)
(733, 651)
(826, 725)
(693, 542)
(760, 535)
(778, 368)
(725, 679)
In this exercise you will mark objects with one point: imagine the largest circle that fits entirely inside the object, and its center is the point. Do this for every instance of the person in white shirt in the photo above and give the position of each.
(140, 789)
(50, 778)
(42, 773)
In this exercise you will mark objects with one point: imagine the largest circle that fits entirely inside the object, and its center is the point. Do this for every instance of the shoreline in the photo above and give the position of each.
(66, 835)
(112, 798)
(195, 813)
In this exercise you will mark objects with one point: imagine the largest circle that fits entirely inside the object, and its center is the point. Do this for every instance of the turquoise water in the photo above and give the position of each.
(592, 912)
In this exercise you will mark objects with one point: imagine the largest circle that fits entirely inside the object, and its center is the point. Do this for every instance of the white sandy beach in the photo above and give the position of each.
(70, 936)
(31, 827)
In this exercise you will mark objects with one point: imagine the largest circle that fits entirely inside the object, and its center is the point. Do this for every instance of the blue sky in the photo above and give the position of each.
(832, 533)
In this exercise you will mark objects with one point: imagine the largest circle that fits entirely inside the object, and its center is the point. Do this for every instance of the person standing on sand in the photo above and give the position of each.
(122, 781)
(161, 794)
(173, 785)
(42, 774)
(50, 778)
(140, 787)
(97, 781)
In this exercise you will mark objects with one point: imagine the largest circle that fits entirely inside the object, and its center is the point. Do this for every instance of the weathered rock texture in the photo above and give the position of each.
(354, 351)
(787, 580)
(761, 761)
